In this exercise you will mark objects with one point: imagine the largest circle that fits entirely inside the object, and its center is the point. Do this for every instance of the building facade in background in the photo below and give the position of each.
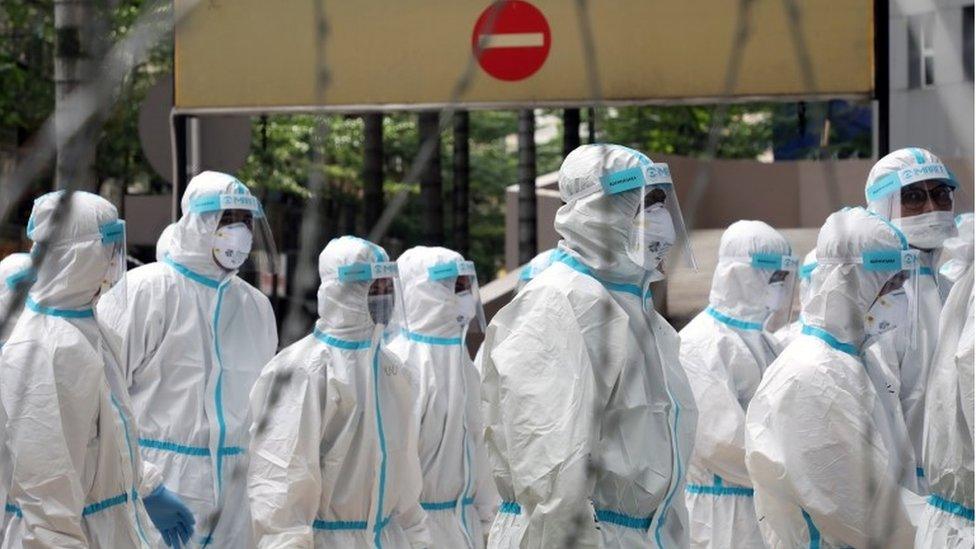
(931, 64)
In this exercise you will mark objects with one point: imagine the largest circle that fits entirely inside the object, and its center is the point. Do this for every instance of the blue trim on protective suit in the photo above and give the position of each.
(53, 311)
(733, 322)
(576, 265)
(189, 273)
(445, 505)
(620, 519)
(431, 340)
(719, 488)
(198, 451)
(132, 462)
(830, 340)
(677, 451)
(88, 510)
(349, 345)
(218, 390)
(510, 508)
(951, 507)
(812, 529)
(378, 527)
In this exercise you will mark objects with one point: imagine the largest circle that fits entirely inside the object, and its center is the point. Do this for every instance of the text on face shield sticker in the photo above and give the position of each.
(624, 180)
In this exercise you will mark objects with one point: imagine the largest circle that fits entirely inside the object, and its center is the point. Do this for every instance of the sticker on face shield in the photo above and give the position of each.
(773, 262)
(451, 269)
(883, 260)
(364, 272)
(624, 180)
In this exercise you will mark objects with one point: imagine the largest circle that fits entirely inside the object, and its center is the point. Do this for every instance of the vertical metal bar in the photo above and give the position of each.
(882, 75)
(462, 177)
(178, 129)
(372, 168)
(528, 240)
(431, 187)
(571, 136)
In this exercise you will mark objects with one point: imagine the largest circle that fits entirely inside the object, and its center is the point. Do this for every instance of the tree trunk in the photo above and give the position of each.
(571, 136)
(528, 241)
(431, 187)
(461, 182)
(73, 67)
(372, 169)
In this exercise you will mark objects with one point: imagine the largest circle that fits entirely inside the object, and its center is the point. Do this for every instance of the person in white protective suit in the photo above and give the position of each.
(791, 331)
(914, 190)
(589, 416)
(76, 478)
(947, 441)
(534, 268)
(958, 253)
(15, 269)
(164, 242)
(826, 464)
(193, 338)
(334, 459)
(724, 350)
(440, 300)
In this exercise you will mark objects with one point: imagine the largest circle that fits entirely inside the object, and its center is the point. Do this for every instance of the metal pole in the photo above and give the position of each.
(372, 169)
(431, 188)
(882, 75)
(571, 134)
(73, 67)
(179, 128)
(528, 240)
(591, 125)
(462, 175)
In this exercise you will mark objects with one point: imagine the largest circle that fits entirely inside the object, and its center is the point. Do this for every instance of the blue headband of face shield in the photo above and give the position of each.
(219, 202)
(645, 175)
(891, 182)
(451, 269)
(773, 262)
(365, 272)
(806, 271)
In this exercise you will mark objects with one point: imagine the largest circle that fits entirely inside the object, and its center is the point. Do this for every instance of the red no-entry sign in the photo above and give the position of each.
(517, 43)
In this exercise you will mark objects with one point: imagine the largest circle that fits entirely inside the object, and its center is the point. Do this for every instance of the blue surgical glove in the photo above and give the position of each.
(170, 516)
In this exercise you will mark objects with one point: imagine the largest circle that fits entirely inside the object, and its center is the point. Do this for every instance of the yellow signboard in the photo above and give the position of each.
(263, 55)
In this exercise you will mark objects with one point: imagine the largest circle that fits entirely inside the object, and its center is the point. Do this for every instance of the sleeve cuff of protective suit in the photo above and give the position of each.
(152, 479)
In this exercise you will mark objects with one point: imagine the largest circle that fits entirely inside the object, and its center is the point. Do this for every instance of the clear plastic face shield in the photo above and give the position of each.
(896, 305)
(461, 276)
(243, 241)
(919, 201)
(384, 297)
(657, 233)
(780, 271)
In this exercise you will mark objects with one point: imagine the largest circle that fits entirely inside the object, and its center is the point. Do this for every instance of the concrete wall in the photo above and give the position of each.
(791, 194)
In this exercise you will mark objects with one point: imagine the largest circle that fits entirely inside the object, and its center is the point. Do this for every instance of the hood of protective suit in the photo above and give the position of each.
(13, 268)
(343, 306)
(77, 260)
(961, 247)
(890, 163)
(191, 244)
(840, 294)
(738, 288)
(165, 241)
(431, 305)
(596, 227)
(809, 261)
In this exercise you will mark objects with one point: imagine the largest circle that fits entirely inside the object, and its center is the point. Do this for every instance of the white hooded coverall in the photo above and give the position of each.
(909, 365)
(724, 351)
(13, 269)
(76, 479)
(193, 338)
(589, 417)
(459, 495)
(334, 459)
(822, 454)
(947, 443)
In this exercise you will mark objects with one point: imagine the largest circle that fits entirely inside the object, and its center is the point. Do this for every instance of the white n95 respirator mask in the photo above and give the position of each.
(651, 237)
(467, 307)
(232, 245)
(927, 231)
